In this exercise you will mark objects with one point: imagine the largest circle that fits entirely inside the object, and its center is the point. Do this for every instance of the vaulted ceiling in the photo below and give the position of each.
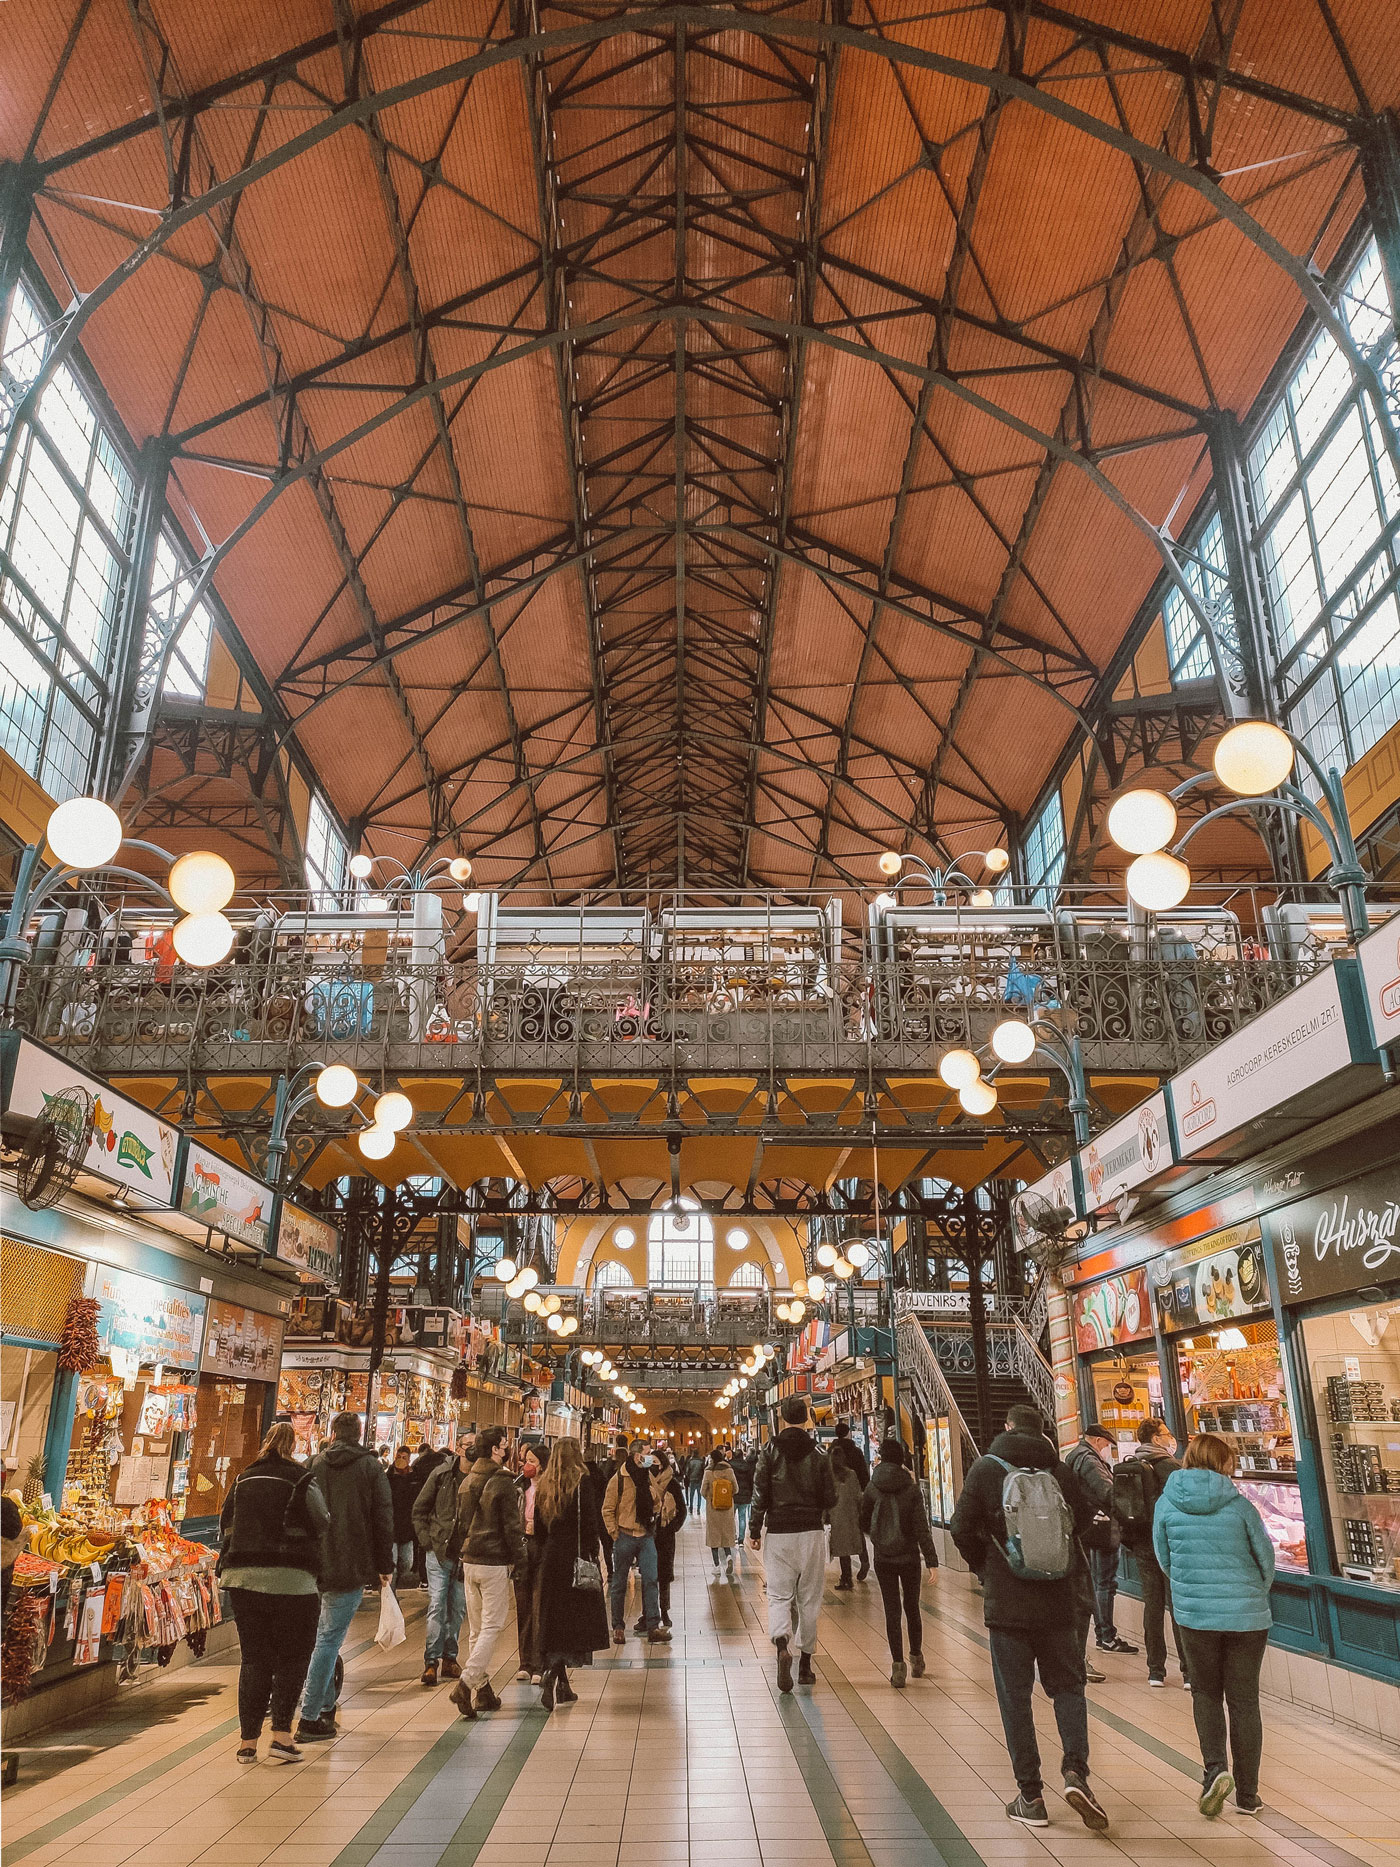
(645, 443)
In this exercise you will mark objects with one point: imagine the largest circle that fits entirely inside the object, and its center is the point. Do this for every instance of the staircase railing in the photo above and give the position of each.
(1036, 1313)
(919, 1366)
(1032, 1369)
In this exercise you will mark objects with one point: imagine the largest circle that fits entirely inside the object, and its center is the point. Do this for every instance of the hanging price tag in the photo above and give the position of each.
(96, 1568)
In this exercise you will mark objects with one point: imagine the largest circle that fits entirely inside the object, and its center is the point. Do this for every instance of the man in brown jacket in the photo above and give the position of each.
(491, 1536)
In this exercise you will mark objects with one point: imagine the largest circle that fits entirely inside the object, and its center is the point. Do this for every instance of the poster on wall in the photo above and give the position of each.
(1126, 1154)
(242, 1342)
(1117, 1310)
(154, 1322)
(1214, 1280)
(129, 1147)
(217, 1194)
(308, 1243)
(1339, 1240)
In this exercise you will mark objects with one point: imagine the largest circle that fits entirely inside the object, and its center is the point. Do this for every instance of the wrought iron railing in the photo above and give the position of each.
(1032, 1369)
(865, 1016)
(919, 1367)
(1036, 1314)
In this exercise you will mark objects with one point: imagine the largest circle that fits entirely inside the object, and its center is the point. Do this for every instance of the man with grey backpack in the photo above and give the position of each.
(1018, 1524)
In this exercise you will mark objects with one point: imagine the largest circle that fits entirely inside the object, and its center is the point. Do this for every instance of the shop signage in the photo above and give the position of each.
(1339, 1240)
(309, 1244)
(1296, 1044)
(1126, 1154)
(242, 1342)
(1214, 1280)
(156, 1323)
(1117, 1310)
(128, 1146)
(217, 1194)
(1379, 959)
(1058, 1187)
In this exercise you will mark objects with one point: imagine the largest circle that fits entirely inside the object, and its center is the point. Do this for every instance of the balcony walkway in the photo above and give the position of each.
(691, 1760)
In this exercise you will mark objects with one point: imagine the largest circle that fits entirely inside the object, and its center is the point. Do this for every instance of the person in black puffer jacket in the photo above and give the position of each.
(793, 1496)
(272, 1523)
(1033, 1625)
(892, 1515)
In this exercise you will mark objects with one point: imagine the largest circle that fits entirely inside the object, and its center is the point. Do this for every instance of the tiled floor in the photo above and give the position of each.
(688, 1760)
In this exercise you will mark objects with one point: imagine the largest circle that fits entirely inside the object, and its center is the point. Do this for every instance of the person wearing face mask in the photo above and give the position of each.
(491, 1536)
(530, 1462)
(629, 1516)
(668, 1499)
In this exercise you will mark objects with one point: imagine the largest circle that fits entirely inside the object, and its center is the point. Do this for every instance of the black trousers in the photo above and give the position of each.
(1225, 1677)
(893, 1578)
(276, 1634)
(1156, 1610)
(1057, 1653)
(527, 1609)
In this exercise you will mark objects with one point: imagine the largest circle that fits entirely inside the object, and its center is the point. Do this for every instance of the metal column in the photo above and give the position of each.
(138, 663)
(1378, 139)
(17, 185)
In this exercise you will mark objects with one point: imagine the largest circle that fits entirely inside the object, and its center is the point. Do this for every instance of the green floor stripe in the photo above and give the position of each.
(391, 1811)
(482, 1816)
(949, 1840)
(1282, 1825)
(838, 1824)
(95, 1805)
(61, 1824)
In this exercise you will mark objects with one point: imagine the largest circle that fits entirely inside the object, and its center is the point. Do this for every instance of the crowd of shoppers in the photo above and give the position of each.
(536, 1526)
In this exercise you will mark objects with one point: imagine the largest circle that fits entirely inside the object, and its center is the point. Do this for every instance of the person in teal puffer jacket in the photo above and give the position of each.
(1213, 1545)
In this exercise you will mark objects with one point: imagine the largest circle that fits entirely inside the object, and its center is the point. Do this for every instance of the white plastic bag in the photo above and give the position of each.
(391, 1630)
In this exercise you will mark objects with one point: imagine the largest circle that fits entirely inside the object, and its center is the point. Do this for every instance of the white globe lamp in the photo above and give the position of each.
(376, 1143)
(336, 1086)
(891, 862)
(84, 833)
(978, 1098)
(460, 869)
(1158, 881)
(506, 1269)
(361, 867)
(1253, 758)
(1142, 822)
(203, 939)
(201, 882)
(959, 1068)
(1013, 1041)
(393, 1111)
(997, 861)
(859, 1254)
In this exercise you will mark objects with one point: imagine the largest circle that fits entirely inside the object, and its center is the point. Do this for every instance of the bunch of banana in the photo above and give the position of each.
(64, 1541)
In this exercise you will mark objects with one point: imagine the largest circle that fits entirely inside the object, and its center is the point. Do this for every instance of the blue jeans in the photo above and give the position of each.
(743, 1512)
(628, 1549)
(1103, 1568)
(337, 1612)
(447, 1607)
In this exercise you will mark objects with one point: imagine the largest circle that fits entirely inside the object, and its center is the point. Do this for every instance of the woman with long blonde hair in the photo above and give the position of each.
(572, 1620)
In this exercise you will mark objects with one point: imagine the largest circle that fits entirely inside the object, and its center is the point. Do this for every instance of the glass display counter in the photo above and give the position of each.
(1354, 1363)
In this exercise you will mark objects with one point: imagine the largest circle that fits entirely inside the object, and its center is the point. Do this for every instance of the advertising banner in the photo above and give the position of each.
(129, 1146)
(242, 1342)
(309, 1243)
(1213, 1281)
(1379, 958)
(1126, 1154)
(1117, 1310)
(226, 1199)
(1339, 1240)
(155, 1322)
(1297, 1043)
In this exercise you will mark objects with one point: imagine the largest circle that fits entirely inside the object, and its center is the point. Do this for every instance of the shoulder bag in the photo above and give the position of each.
(587, 1574)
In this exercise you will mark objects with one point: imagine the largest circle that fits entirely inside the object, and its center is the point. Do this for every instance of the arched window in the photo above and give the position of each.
(610, 1275)
(681, 1250)
(748, 1276)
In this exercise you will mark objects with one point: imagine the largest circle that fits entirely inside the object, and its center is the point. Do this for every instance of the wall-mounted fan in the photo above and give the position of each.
(52, 1148)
